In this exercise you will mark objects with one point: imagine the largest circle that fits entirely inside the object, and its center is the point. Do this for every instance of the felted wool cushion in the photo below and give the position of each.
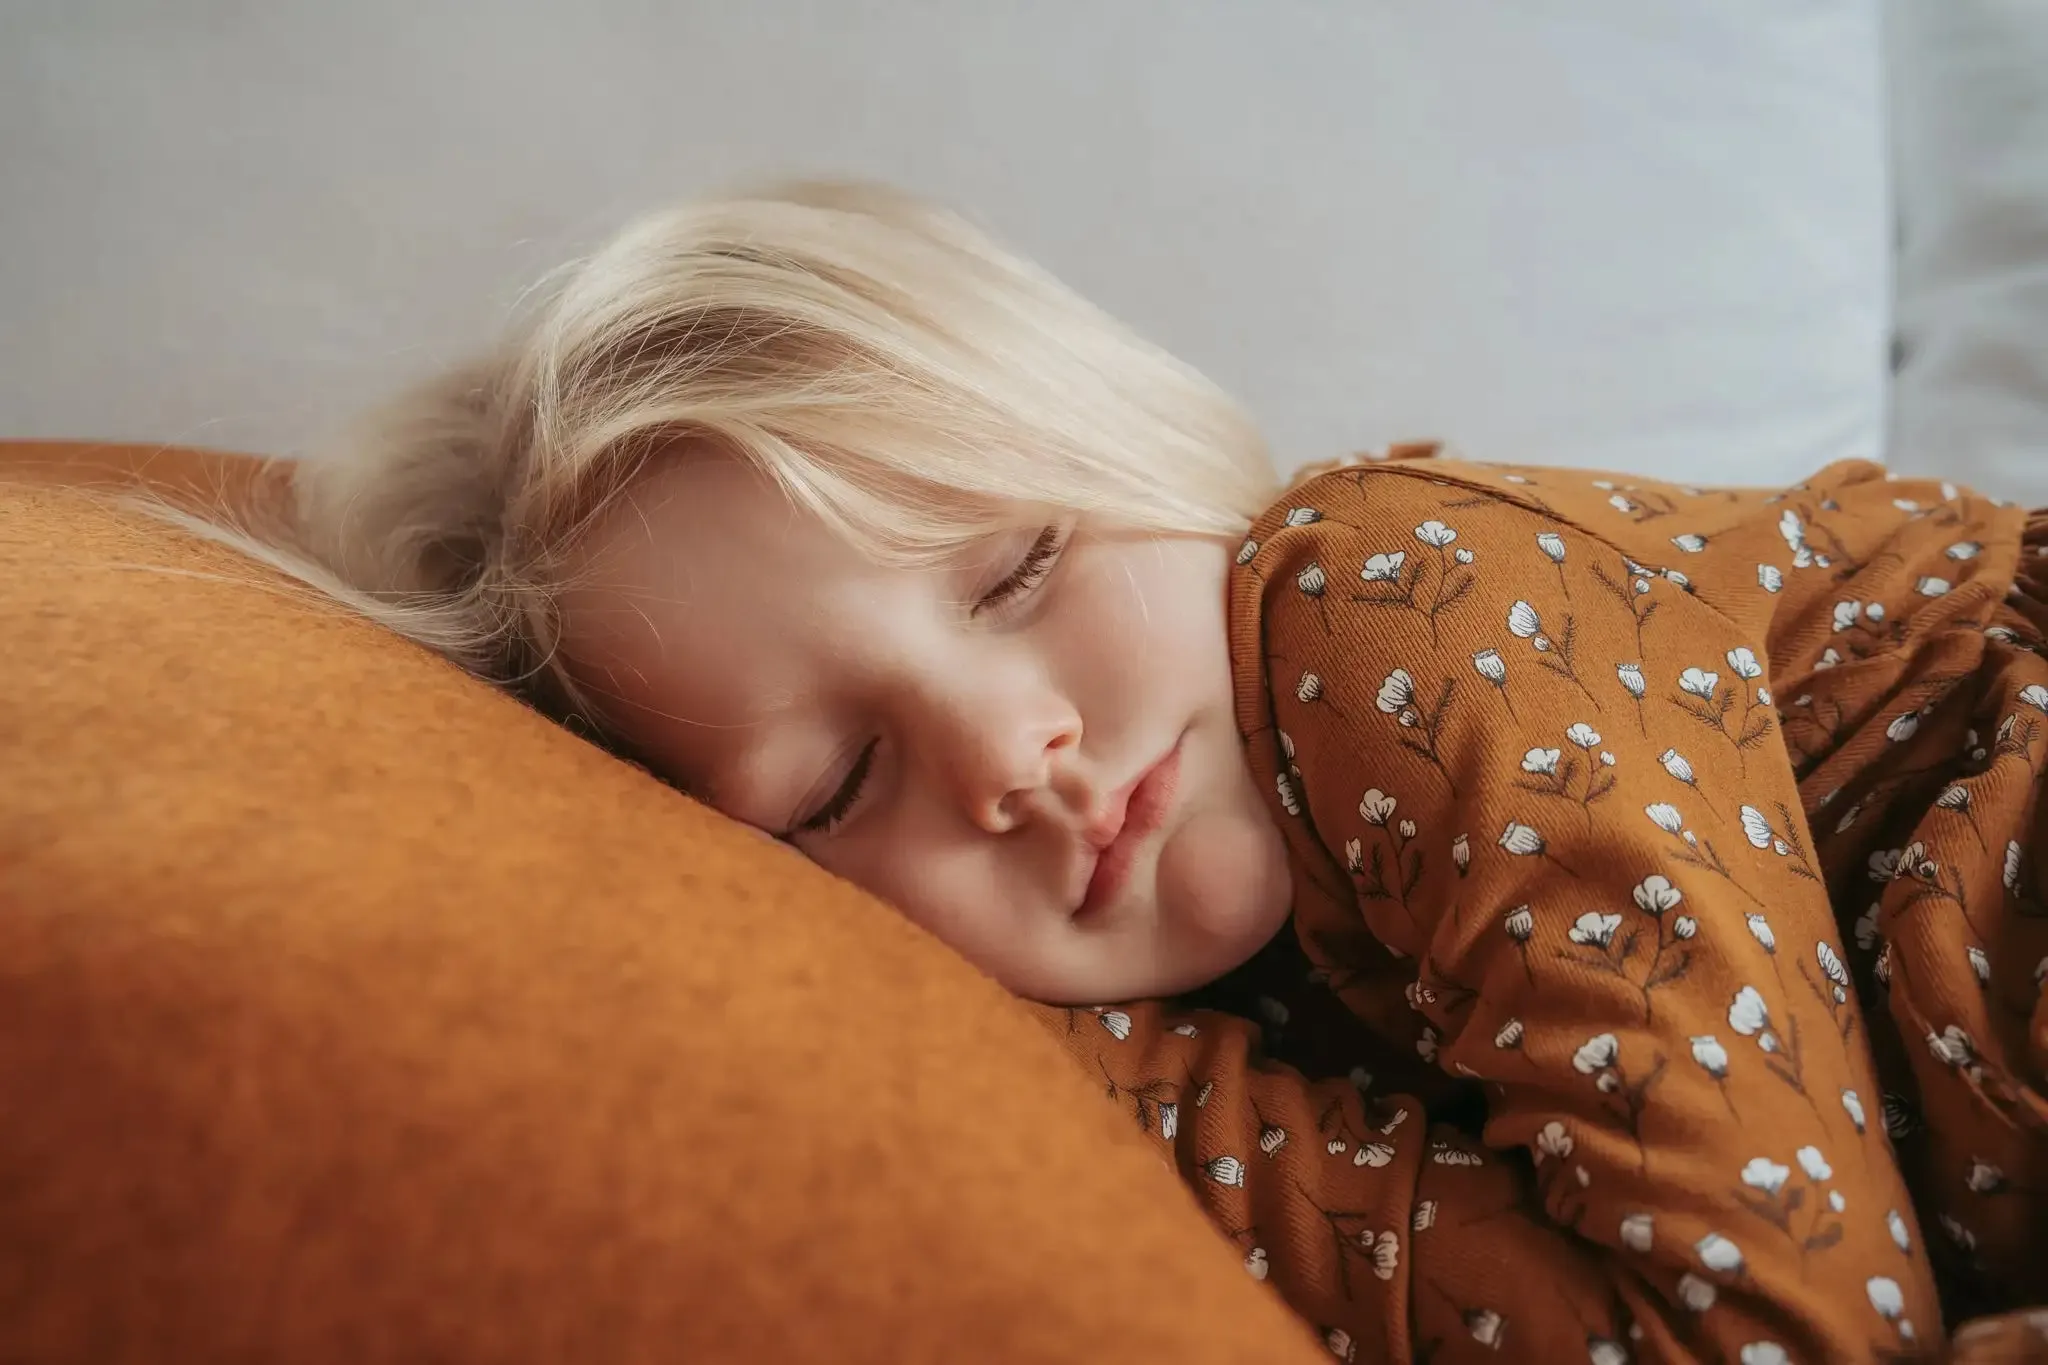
(351, 1011)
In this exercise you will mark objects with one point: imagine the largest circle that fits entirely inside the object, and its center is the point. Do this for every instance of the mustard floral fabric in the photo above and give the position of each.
(1665, 974)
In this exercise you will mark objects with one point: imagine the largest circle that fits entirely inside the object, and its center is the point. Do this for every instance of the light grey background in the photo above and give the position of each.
(1644, 233)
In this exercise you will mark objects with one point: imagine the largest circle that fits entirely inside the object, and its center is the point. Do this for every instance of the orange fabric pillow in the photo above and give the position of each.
(350, 1011)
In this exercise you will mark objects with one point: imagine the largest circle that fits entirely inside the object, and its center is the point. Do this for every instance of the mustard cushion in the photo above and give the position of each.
(351, 1011)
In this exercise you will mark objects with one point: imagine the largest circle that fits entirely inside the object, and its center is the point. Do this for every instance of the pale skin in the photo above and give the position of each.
(1029, 749)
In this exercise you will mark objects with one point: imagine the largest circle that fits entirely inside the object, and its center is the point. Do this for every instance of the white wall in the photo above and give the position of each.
(1641, 232)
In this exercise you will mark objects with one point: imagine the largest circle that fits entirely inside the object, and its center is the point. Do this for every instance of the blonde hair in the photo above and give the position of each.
(893, 370)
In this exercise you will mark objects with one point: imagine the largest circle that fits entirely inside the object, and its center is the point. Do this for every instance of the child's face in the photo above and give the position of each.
(1030, 750)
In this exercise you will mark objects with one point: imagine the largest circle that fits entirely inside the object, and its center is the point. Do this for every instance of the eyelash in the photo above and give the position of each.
(840, 804)
(1020, 582)
(1031, 571)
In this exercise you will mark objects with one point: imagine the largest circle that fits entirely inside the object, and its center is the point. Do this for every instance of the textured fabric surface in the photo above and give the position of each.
(1694, 833)
(349, 1011)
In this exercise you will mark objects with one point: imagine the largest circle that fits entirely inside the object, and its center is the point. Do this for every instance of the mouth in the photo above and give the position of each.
(1135, 817)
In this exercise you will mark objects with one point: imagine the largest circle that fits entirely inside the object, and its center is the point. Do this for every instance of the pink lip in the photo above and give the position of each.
(1132, 816)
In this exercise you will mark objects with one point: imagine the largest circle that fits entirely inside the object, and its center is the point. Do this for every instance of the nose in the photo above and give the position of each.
(1009, 755)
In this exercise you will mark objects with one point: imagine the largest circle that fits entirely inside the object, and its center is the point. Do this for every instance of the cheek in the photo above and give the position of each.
(930, 881)
(1158, 607)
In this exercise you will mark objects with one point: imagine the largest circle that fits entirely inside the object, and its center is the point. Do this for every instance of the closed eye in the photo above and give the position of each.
(1027, 575)
(840, 804)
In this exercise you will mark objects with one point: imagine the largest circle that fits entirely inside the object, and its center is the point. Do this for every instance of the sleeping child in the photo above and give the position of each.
(1538, 912)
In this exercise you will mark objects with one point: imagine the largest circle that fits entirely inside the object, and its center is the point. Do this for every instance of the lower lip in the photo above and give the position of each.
(1150, 801)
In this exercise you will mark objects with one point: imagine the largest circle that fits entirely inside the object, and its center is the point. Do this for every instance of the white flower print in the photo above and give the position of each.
(1354, 855)
(1552, 545)
(1521, 840)
(1464, 556)
(1289, 802)
(1542, 762)
(1484, 1324)
(1885, 1297)
(1397, 692)
(1425, 1046)
(1621, 504)
(1828, 659)
(1384, 568)
(1490, 666)
(1435, 533)
(1742, 659)
(1764, 1174)
(1953, 1046)
(1711, 1056)
(1226, 1170)
(1655, 894)
(1594, 929)
(1690, 543)
(1748, 1015)
(1117, 1022)
(1846, 614)
(1523, 622)
(1631, 676)
(1303, 516)
(1374, 1154)
(1520, 924)
(1425, 1216)
(1375, 806)
(1601, 1351)
(1597, 1053)
(1407, 829)
(1255, 1263)
(1675, 763)
(1958, 1234)
(1902, 1237)
(1883, 864)
(1461, 853)
(1853, 1103)
(1696, 1293)
(1903, 727)
(1272, 1140)
(1931, 586)
(1386, 1253)
(1985, 1178)
(1583, 735)
(1874, 612)
(1553, 1141)
(1760, 930)
(1979, 963)
(1665, 816)
(1831, 967)
(1311, 580)
(1638, 1232)
(1247, 551)
(1169, 1119)
(2012, 865)
(1510, 1035)
(2036, 696)
(1769, 578)
(1606, 759)
(1763, 1353)
(1836, 1201)
(1962, 550)
(1684, 927)
(1814, 1164)
(1699, 683)
(1755, 828)
(1337, 1342)
(1718, 1254)
(1309, 689)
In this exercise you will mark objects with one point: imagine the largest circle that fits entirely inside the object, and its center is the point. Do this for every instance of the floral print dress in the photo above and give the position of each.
(1666, 970)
